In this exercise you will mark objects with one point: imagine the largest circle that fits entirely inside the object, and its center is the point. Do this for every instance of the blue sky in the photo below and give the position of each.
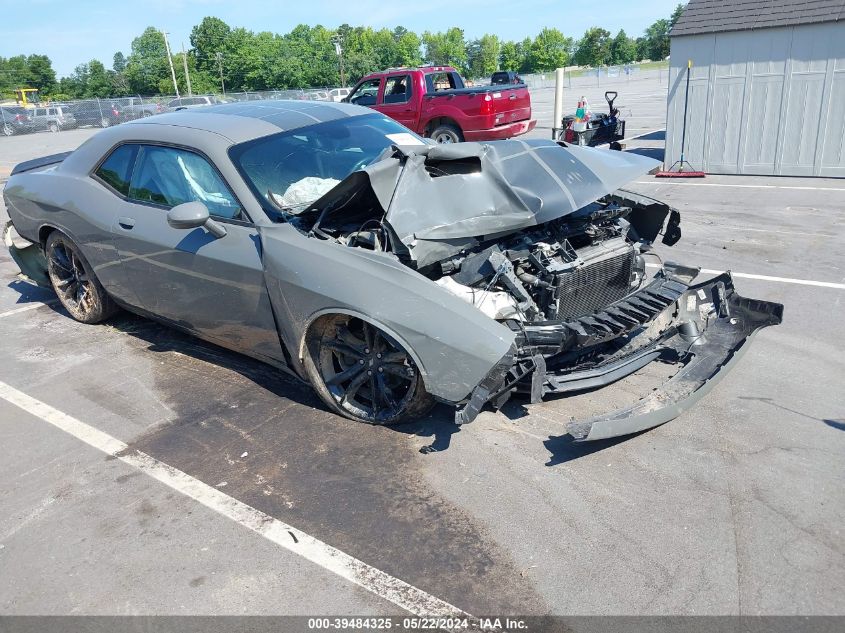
(75, 31)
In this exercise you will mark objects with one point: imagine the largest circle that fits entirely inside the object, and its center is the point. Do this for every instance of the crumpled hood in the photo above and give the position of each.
(439, 198)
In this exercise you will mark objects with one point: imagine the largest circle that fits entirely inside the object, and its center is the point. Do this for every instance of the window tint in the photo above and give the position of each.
(116, 170)
(397, 89)
(365, 94)
(170, 176)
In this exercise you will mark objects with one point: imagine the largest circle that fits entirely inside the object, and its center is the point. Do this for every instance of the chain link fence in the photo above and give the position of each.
(66, 115)
(58, 116)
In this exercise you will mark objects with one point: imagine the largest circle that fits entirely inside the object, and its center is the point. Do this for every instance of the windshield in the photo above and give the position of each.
(290, 170)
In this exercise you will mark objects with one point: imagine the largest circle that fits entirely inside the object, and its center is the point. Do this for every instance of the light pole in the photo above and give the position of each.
(187, 74)
(220, 68)
(338, 48)
(170, 61)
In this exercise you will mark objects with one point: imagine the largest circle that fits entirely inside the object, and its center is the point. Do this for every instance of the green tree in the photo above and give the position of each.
(483, 56)
(594, 48)
(549, 50)
(118, 62)
(146, 67)
(623, 49)
(446, 49)
(676, 14)
(99, 82)
(511, 56)
(207, 39)
(407, 47)
(41, 73)
(657, 40)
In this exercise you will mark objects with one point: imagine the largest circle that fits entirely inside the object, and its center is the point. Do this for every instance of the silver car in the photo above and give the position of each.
(53, 118)
(335, 244)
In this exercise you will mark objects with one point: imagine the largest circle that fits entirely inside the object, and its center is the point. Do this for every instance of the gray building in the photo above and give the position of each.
(767, 87)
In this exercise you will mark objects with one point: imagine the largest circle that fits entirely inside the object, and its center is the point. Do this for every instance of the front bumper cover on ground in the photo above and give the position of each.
(703, 328)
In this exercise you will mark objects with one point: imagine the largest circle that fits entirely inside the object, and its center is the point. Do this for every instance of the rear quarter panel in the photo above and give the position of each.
(79, 207)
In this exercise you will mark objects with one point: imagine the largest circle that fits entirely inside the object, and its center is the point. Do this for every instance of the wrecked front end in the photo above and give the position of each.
(702, 329)
(584, 313)
(540, 238)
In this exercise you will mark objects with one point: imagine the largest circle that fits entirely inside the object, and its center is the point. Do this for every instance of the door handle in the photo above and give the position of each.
(512, 97)
(126, 223)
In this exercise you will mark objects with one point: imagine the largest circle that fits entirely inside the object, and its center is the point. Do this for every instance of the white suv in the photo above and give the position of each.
(191, 102)
(339, 94)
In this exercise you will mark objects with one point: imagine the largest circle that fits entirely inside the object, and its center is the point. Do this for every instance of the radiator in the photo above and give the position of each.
(604, 277)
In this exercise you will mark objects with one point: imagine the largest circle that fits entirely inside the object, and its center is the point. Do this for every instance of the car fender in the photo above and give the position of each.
(453, 343)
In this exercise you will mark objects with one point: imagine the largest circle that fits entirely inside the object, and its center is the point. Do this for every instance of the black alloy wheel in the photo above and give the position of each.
(76, 285)
(363, 373)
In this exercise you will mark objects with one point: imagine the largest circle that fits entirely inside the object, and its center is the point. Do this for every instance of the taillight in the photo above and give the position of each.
(18, 117)
(114, 111)
(487, 105)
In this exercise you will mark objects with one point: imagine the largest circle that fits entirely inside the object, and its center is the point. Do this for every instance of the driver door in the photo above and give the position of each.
(212, 286)
(366, 93)
(397, 102)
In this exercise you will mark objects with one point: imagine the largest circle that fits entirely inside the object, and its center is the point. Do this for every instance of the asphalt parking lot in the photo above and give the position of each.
(735, 507)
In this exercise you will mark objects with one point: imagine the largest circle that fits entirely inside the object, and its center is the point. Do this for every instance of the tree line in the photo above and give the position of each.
(307, 57)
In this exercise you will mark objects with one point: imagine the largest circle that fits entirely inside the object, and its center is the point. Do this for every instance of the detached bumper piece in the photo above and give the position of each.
(28, 256)
(703, 328)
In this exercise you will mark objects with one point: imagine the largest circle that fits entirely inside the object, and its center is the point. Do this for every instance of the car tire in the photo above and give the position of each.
(446, 133)
(53, 127)
(74, 281)
(7, 130)
(362, 373)
(104, 122)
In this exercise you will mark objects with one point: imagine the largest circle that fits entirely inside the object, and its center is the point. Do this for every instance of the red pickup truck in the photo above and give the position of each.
(433, 101)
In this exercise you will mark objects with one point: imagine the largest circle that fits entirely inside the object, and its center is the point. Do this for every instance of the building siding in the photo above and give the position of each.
(764, 101)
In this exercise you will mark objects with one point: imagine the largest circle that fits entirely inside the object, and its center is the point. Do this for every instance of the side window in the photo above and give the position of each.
(397, 89)
(437, 81)
(365, 94)
(116, 170)
(169, 176)
(40, 111)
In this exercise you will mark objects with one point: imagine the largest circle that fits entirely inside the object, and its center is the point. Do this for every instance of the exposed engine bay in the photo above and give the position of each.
(563, 268)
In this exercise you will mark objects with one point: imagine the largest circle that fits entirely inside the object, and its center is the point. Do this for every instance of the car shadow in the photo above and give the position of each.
(657, 153)
(438, 425)
(565, 448)
(29, 293)
(839, 425)
(657, 135)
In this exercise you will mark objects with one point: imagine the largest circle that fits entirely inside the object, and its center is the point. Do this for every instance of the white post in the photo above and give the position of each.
(170, 61)
(557, 123)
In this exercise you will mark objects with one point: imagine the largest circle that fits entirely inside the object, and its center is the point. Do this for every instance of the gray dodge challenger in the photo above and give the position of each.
(390, 273)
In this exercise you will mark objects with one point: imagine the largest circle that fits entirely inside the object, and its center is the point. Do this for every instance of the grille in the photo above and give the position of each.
(600, 282)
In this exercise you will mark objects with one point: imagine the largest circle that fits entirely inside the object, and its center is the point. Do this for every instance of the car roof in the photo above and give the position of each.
(244, 121)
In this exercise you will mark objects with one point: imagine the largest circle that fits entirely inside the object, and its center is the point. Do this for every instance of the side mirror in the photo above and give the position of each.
(191, 215)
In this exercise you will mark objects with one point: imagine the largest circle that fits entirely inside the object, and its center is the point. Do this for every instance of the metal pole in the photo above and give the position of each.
(187, 74)
(170, 61)
(220, 68)
(684, 126)
(338, 48)
(557, 123)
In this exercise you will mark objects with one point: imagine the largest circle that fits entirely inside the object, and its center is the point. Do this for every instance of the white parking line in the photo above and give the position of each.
(785, 280)
(27, 308)
(670, 181)
(383, 585)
